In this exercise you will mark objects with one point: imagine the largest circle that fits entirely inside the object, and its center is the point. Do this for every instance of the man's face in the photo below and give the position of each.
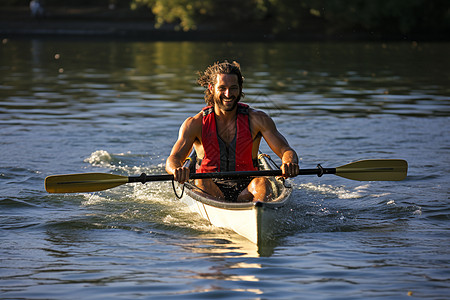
(226, 91)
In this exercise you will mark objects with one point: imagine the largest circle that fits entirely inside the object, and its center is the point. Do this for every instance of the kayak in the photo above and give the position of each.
(256, 221)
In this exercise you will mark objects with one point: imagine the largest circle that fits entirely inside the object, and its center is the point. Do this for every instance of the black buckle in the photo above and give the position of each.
(321, 171)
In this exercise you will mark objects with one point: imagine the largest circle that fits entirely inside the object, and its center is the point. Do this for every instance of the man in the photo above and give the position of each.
(226, 136)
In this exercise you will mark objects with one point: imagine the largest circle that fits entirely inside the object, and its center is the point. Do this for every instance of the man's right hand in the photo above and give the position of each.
(290, 170)
(181, 174)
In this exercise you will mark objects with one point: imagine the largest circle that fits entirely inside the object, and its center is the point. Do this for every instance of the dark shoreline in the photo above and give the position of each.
(99, 23)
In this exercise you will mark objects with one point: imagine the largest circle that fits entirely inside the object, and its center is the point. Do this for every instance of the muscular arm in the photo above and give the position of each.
(277, 142)
(189, 131)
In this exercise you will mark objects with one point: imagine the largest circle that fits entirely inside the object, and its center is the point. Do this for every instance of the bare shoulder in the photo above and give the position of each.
(258, 115)
(192, 126)
(193, 121)
(260, 120)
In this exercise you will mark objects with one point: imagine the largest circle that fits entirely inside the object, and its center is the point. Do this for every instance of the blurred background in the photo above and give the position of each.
(233, 19)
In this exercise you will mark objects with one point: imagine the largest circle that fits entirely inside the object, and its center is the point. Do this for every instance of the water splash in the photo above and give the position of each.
(339, 191)
(127, 163)
(100, 158)
(94, 199)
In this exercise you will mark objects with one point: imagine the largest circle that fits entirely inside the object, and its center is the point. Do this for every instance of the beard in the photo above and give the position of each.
(228, 105)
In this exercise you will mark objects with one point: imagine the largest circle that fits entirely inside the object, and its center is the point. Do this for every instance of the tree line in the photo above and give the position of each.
(290, 16)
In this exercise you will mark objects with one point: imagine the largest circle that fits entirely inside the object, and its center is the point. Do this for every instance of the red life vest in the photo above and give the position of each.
(220, 157)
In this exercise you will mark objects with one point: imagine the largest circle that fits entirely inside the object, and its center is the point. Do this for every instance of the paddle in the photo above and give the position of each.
(364, 170)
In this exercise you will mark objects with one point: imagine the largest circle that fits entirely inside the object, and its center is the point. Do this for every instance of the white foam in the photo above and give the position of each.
(93, 199)
(99, 158)
(380, 195)
(152, 191)
(417, 212)
(104, 159)
(340, 192)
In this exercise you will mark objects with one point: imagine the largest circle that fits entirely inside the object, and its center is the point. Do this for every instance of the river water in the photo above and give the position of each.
(115, 107)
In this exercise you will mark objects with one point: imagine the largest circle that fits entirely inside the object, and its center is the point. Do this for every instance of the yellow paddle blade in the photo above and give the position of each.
(374, 169)
(83, 183)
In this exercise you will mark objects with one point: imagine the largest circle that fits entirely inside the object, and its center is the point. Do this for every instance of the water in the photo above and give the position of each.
(115, 107)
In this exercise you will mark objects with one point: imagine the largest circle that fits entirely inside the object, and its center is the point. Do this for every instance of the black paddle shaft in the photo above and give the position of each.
(319, 171)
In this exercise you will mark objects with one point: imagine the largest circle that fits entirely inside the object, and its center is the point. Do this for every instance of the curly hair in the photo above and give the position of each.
(209, 76)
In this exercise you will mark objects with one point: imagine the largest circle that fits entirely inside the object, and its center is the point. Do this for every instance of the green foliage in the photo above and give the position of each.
(401, 16)
(281, 16)
(187, 14)
(184, 12)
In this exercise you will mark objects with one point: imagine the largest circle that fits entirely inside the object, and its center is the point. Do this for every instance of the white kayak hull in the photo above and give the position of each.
(256, 221)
